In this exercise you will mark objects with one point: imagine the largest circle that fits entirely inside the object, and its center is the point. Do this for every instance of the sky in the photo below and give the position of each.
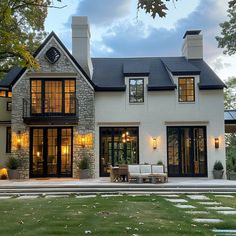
(119, 30)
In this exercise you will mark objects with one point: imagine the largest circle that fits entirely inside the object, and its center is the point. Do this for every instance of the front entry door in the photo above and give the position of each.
(186, 148)
(51, 152)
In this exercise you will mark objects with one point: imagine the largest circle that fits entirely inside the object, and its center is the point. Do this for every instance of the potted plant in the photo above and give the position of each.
(218, 170)
(84, 171)
(12, 165)
(232, 173)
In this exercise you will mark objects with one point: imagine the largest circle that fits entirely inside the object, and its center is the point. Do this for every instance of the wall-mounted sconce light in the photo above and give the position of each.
(217, 143)
(18, 138)
(83, 141)
(154, 143)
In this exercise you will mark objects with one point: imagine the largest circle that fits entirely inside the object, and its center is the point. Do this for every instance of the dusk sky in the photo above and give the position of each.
(118, 30)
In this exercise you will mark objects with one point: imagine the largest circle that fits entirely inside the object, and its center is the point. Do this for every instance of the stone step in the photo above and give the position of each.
(112, 189)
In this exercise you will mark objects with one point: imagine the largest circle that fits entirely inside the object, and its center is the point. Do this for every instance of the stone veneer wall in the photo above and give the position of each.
(86, 125)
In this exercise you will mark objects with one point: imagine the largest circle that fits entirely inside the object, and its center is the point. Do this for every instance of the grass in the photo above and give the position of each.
(113, 216)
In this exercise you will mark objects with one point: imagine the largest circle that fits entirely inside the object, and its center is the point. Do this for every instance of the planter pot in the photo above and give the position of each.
(13, 174)
(84, 174)
(218, 174)
(232, 175)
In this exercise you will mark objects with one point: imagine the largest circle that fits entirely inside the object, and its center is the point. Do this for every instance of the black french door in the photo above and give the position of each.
(186, 150)
(51, 152)
(118, 145)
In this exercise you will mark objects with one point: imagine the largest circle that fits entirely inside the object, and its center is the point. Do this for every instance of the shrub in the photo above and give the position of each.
(218, 165)
(84, 163)
(12, 163)
(234, 168)
(160, 163)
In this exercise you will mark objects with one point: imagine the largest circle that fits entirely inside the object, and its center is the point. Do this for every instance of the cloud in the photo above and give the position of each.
(219, 64)
(103, 12)
(138, 39)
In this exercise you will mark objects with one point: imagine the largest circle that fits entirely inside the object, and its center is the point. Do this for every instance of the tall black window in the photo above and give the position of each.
(136, 90)
(8, 140)
(53, 96)
(186, 90)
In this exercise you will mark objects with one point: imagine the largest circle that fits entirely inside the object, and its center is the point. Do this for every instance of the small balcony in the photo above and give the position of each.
(48, 114)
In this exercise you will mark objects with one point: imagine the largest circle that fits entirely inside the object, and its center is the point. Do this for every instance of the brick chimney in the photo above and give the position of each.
(193, 45)
(81, 43)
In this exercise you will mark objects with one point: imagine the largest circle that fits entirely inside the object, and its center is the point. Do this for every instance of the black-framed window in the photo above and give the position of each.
(8, 106)
(8, 140)
(136, 90)
(55, 96)
(5, 94)
(186, 88)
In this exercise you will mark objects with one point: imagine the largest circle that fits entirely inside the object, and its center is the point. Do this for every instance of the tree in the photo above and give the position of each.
(230, 94)
(227, 39)
(230, 138)
(21, 31)
(154, 7)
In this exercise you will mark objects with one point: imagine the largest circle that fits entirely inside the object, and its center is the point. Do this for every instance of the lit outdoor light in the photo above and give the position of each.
(18, 139)
(154, 143)
(217, 143)
(83, 141)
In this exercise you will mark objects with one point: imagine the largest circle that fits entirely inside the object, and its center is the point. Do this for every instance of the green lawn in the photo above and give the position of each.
(122, 215)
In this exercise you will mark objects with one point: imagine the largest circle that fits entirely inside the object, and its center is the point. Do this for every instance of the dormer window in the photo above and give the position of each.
(186, 88)
(136, 90)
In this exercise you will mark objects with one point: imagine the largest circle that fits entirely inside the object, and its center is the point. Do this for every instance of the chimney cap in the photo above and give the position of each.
(191, 32)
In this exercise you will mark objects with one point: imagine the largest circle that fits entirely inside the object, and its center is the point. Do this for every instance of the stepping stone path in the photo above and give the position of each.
(111, 195)
(56, 196)
(198, 197)
(5, 197)
(176, 200)
(170, 195)
(225, 231)
(209, 203)
(197, 212)
(28, 197)
(226, 196)
(85, 196)
(200, 220)
(227, 212)
(185, 206)
(220, 208)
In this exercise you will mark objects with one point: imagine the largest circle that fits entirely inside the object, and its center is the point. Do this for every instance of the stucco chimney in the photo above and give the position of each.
(192, 46)
(81, 43)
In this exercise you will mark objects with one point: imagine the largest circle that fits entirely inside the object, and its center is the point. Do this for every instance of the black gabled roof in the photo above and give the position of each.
(15, 73)
(180, 66)
(109, 73)
(208, 78)
(10, 76)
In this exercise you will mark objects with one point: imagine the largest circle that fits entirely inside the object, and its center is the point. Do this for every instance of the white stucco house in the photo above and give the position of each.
(113, 110)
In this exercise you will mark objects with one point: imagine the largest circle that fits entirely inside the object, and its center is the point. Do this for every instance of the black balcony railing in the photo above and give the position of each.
(46, 114)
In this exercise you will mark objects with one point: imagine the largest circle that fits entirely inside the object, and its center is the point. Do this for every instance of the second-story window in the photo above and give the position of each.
(136, 90)
(186, 88)
(53, 96)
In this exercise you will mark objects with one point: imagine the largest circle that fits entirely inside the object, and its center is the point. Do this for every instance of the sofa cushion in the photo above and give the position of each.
(157, 169)
(145, 169)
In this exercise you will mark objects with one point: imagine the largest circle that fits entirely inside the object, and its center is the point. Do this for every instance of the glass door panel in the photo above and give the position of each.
(117, 146)
(37, 152)
(52, 152)
(66, 151)
(106, 150)
(186, 148)
(185, 151)
(173, 151)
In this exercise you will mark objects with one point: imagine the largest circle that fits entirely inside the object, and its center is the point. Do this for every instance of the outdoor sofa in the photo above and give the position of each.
(147, 173)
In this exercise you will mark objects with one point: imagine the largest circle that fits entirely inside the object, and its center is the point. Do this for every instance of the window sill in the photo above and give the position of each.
(136, 103)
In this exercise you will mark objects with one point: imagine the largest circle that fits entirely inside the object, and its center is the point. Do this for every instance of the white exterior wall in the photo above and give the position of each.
(158, 108)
